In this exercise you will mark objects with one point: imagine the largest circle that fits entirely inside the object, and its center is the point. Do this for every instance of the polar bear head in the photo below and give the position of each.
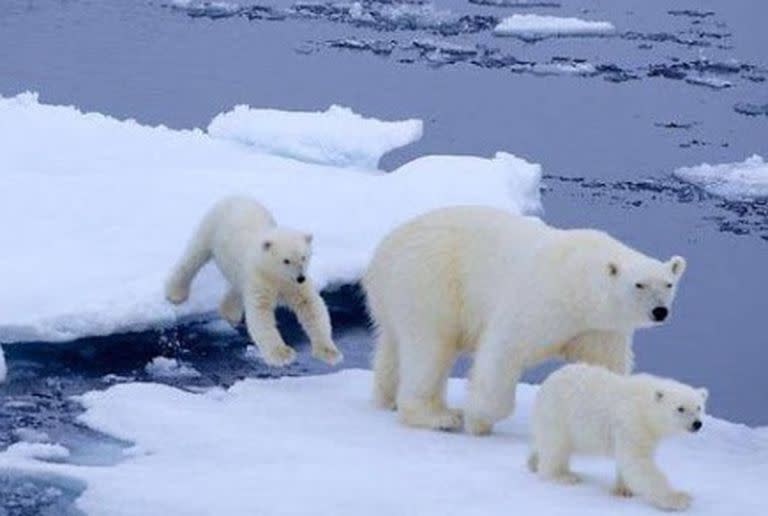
(673, 407)
(285, 254)
(640, 290)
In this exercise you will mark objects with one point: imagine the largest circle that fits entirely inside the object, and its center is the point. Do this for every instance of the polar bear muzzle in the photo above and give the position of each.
(660, 313)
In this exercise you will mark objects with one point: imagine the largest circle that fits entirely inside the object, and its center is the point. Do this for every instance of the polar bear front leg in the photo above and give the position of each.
(313, 316)
(612, 350)
(643, 477)
(262, 327)
(492, 385)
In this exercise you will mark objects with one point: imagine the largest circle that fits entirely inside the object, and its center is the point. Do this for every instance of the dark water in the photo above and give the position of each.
(608, 139)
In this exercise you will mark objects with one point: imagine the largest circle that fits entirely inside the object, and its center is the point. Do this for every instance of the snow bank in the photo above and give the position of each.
(532, 27)
(97, 211)
(742, 181)
(324, 138)
(315, 445)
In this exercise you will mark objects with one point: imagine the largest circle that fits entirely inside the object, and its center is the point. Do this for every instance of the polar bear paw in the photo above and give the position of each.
(280, 356)
(328, 353)
(622, 491)
(566, 478)
(673, 501)
(176, 293)
(477, 426)
(448, 420)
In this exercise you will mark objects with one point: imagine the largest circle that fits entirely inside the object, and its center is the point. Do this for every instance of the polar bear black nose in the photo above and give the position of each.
(659, 313)
(301, 279)
(696, 426)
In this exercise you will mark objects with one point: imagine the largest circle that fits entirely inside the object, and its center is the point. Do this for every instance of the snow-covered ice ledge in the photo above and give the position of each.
(316, 445)
(98, 209)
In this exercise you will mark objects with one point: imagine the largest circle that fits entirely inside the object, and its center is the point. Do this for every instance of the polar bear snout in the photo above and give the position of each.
(696, 425)
(301, 278)
(660, 313)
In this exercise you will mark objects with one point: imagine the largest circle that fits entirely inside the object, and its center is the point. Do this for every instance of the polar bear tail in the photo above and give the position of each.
(533, 462)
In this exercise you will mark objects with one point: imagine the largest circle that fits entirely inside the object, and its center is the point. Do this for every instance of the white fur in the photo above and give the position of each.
(510, 289)
(251, 251)
(590, 410)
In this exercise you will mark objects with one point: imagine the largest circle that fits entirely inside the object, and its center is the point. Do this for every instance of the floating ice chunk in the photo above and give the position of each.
(32, 450)
(164, 368)
(251, 449)
(337, 136)
(742, 181)
(532, 27)
(716, 83)
(116, 203)
(30, 435)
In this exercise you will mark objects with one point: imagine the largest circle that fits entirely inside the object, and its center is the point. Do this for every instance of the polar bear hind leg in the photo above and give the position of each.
(385, 370)
(425, 365)
(197, 254)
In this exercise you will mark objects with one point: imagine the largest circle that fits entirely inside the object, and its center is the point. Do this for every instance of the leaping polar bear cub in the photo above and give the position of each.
(264, 265)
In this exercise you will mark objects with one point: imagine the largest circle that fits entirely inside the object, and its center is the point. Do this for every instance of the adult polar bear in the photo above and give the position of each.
(510, 289)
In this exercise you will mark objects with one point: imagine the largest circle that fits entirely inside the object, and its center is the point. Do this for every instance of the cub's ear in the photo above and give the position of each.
(659, 395)
(677, 264)
(613, 269)
(266, 245)
(308, 237)
(704, 393)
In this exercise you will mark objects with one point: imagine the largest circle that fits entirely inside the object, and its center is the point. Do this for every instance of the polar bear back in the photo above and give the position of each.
(234, 226)
(585, 403)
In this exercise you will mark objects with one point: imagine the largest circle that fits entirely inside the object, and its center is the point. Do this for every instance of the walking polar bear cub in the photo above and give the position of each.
(264, 265)
(513, 291)
(588, 409)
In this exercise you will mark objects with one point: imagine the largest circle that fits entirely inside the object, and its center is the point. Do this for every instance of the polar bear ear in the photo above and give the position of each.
(659, 395)
(704, 393)
(613, 269)
(677, 264)
(266, 245)
(308, 238)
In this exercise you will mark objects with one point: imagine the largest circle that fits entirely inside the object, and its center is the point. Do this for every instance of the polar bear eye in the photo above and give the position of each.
(681, 409)
(287, 261)
(640, 286)
(669, 285)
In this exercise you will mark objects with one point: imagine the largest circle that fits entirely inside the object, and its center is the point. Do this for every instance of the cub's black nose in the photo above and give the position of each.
(660, 313)
(696, 426)
(301, 279)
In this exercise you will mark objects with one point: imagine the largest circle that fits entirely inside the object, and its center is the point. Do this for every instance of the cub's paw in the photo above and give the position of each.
(567, 478)
(673, 501)
(176, 294)
(328, 353)
(622, 491)
(280, 356)
(477, 426)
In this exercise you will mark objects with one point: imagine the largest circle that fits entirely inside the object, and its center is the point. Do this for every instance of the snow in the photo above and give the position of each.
(165, 368)
(3, 366)
(532, 27)
(317, 445)
(742, 181)
(322, 138)
(101, 209)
